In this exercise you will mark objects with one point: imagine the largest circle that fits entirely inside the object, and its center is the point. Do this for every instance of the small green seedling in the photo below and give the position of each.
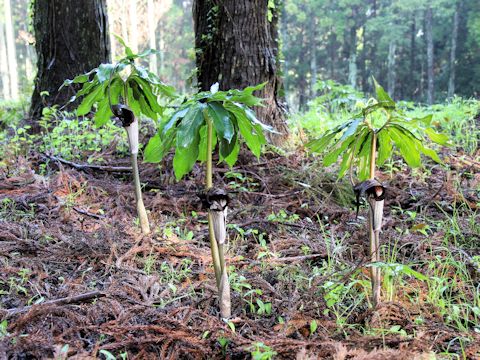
(208, 119)
(367, 141)
(125, 90)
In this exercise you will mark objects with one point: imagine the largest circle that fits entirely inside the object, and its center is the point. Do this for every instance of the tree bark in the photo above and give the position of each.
(11, 50)
(453, 49)
(429, 35)
(4, 64)
(71, 38)
(236, 45)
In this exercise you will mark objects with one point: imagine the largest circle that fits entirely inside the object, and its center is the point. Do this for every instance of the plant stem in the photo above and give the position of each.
(142, 213)
(373, 155)
(209, 183)
(374, 228)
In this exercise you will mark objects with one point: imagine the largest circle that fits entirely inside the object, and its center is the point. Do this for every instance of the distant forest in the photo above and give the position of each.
(424, 51)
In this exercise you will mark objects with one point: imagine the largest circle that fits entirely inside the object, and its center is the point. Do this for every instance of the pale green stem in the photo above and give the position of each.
(373, 234)
(141, 212)
(209, 183)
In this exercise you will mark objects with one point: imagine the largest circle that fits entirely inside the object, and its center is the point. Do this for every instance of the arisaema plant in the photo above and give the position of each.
(208, 121)
(125, 90)
(366, 142)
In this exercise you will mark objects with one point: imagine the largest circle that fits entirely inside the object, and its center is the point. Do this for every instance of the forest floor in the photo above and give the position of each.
(78, 279)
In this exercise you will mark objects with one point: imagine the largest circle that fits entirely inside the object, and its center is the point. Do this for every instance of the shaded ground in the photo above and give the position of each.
(73, 232)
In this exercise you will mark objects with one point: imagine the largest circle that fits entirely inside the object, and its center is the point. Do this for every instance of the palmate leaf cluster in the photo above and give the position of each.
(352, 140)
(186, 131)
(124, 82)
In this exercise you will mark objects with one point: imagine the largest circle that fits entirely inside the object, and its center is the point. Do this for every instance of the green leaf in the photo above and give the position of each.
(221, 120)
(432, 154)
(128, 51)
(104, 113)
(148, 94)
(351, 128)
(139, 96)
(332, 156)
(104, 72)
(226, 147)
(231, 159)
(438, 138)
(364, 156)
(321, 144)
(190, 125)
(90, 99)
(158, 147)
(87, 88)
(184, 159)
(249, 133)
(155, 82)
(177, 115)
(385, 146)
(202, 146)
(345, 164)
(133, 103)
(382, 95)
(406, 145)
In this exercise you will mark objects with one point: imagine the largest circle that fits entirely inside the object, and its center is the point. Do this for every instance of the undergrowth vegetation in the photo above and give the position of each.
(297, 261)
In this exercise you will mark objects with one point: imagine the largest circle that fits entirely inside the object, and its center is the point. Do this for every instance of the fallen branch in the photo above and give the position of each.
(86, 167)
(63, 301)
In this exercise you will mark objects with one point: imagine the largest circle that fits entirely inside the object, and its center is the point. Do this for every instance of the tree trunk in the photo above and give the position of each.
(4, 64)
(332, 53)
(133, 25)
(429, 35)
(71, 38)
(124, 23)
(313, 57)
(352, 58)
(236, 45)
(453, 49)
(413, 65)
(11, 51)
(152, 26)
(391, 69)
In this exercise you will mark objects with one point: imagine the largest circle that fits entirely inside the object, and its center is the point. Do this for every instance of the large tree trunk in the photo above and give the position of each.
(11, 50)
(236, 45)
(429, 35)
(71, 38)
(453, 49)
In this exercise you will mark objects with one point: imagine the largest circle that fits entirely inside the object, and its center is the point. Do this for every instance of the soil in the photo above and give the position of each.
(76, 270)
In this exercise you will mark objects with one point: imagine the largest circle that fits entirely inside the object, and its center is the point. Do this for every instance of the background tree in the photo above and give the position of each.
(237, 45)
(71, 38)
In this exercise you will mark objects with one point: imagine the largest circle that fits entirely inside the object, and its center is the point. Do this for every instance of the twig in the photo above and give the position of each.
(85, 212)
(297, 258)
(85, 167)
(63, 301)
